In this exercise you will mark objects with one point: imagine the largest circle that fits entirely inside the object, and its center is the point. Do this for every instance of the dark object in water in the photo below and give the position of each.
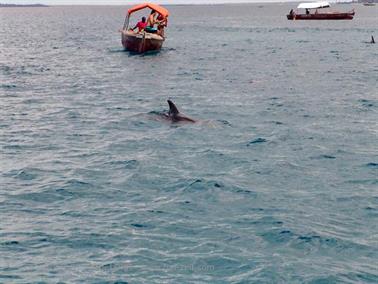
(175, 116)
(372, 40)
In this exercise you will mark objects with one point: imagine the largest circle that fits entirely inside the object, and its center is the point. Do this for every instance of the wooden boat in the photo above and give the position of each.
(322, 16)
(293, 15)
(143, 41)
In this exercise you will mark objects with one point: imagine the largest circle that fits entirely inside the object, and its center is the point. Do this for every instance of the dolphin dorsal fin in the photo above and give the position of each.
(172, 108)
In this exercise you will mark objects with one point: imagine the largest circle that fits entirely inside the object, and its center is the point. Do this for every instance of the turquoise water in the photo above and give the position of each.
(277, 183)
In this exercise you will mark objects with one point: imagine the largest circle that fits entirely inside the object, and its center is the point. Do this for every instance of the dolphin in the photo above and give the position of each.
(175, 116)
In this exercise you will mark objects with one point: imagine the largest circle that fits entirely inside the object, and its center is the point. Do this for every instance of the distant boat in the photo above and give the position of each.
(143, 41)
(293, 15)
(368, 4)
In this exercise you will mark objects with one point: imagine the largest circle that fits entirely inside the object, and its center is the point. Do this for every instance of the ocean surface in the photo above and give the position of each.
(276, 183)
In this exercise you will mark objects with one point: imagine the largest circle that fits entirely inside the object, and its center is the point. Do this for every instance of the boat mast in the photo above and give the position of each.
(126, 23)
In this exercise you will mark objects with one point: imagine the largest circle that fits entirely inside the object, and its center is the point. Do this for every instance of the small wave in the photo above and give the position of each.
(367, 103)
(202, 184)
(277, 122)
(5, 276)
(81, 241)
(268, 221)
(363, 181)
(137, 225)
(328, 157)
(40, 197)
(26, 175)
(127, 164)
(8, 86)
(199, 184)
(13, 147)
(116, 50)
(75, 183)
(372, 165)
(10, 243)
(323, 156)
(245, 191)
(156, 113)
(224, 122)
(312, 241)
(278, 236)
(257, 141)
(156, 211)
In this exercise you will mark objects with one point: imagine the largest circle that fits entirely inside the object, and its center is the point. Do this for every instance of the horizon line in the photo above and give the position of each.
(178, 4)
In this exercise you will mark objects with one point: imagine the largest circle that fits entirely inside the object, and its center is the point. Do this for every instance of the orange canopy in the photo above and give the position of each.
(162, 11)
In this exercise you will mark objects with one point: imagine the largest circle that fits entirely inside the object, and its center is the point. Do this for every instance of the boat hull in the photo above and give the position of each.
(141, 42)
(322, 16)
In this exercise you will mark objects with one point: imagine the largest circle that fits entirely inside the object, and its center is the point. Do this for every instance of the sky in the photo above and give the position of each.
(129, 2)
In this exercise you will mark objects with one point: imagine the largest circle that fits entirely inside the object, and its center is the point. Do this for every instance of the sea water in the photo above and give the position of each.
(277, 183)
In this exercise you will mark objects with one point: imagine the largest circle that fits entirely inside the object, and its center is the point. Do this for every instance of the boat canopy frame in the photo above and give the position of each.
(161, 10)
(314, 5)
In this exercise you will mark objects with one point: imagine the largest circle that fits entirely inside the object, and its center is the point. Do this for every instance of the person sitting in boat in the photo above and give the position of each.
(141, 25)
(307, 12)
(161, 24)
(151, 22)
